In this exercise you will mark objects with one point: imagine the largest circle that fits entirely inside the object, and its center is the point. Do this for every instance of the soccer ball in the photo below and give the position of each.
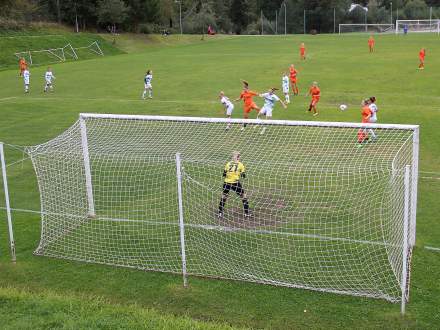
(343, 107)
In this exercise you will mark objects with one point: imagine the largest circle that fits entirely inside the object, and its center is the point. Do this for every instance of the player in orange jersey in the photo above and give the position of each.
(366, 115)
(371, 44)
(293, 79)
(23, 65)
(302, 51)
(315, 92)
(422, 55)
(249, 104)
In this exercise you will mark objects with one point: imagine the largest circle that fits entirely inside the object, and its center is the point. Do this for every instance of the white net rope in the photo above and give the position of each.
(325, 214)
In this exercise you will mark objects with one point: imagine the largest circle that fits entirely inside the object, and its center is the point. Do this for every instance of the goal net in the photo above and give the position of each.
(366, 28)
(144, 192)
(46, 56)
(89, 51)
(424, 25)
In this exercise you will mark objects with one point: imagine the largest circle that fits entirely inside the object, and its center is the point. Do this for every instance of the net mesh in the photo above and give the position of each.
(366, 28)
(324, 214)
(418, 26)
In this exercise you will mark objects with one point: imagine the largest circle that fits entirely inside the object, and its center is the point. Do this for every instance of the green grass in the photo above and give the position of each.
(188, 76)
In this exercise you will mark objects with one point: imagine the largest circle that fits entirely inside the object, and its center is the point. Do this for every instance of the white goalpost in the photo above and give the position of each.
(93, 47)
(7, 203)
(144, 192)
(419, 26)
(52, 55)
(366, 28)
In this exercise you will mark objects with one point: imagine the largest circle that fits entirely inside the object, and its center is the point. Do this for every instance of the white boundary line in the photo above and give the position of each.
(431, 248)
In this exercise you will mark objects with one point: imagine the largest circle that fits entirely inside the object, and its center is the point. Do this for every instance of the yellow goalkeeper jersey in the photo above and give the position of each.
(233, 171)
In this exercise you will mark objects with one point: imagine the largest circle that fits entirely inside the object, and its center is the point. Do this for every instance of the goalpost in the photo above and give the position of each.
(366, 28)
(52, 55)
(420, 26)
(7, 203)
(144, 192)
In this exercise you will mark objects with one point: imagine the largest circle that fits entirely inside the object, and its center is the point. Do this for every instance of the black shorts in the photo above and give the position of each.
(234, 187)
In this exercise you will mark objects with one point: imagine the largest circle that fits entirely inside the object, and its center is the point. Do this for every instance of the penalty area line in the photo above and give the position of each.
(431, 248)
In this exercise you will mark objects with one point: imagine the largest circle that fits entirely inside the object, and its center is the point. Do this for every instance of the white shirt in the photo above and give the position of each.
(48, 76)
(26, 76)
(148, 78)
(269, 100)
(374, 110)
(226, 103)
(285, 82)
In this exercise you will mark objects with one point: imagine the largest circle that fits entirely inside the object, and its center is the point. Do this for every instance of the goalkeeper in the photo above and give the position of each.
(233, 172)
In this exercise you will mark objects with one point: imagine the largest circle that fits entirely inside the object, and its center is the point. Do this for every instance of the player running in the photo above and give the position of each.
(293, 79)
(26, 78)
(269, 102)
(302, 51)
(233, 172)
(229, 107)
(22, 65)
(422, 55)
(366, 115)
(148, 87)
(249, 104)
(373, 119)
(48, 76)
(315, 93)
(371, 43)
(285, 85)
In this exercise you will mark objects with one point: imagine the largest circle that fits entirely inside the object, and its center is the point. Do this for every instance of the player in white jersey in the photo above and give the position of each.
(48, 76)
(148, 87)
(26, 79)
(286, 87)
(229, 107)
(373, 119)
(269, 102)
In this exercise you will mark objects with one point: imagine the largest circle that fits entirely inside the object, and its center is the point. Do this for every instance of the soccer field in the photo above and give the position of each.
(187, 79)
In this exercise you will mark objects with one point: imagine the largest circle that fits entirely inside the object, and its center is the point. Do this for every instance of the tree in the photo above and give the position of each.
(238, 15)
(142, 11)
(112, 12)
(416, 9)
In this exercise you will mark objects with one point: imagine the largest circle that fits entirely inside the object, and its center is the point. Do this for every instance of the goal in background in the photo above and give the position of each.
(421, 25)
(366, 28)
(143, 192)
(92, 49)
(53, 55)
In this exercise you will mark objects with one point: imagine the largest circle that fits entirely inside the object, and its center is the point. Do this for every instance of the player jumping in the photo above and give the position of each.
(422, 55)
(48, 76)
(302, 51)
(233, 172)
(147, 85)
(249, 104)
(285, 85)
(315, 92)
(293, 79)
(269, 102)
(371, 44)
(26, 78)
(229, 107)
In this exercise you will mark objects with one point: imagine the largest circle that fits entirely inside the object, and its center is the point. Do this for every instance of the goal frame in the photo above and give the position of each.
(391, 26)
(436, 21)
(7, 203)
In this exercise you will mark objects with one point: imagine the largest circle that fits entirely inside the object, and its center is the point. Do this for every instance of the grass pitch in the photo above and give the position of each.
(188, 75)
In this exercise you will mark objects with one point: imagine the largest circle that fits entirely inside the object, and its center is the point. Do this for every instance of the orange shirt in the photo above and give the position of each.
(293, 73)
(302, 50)
(371, 42)
(315, 92)
(22, 63)
(247, 96)
(366, 114)
(422, 54)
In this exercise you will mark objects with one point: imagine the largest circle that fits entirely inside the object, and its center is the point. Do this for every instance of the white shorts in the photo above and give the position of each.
(373, 119)
(229, 110)
(148, 86)
(26, 82)
(286, 90)
(48, 82)
(266, 111)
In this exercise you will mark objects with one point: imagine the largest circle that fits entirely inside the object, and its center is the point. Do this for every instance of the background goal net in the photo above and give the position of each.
(366, 28)
(421, 26)
(143, 192)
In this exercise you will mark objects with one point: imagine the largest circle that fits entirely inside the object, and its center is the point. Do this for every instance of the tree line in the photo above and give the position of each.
(224, 16)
